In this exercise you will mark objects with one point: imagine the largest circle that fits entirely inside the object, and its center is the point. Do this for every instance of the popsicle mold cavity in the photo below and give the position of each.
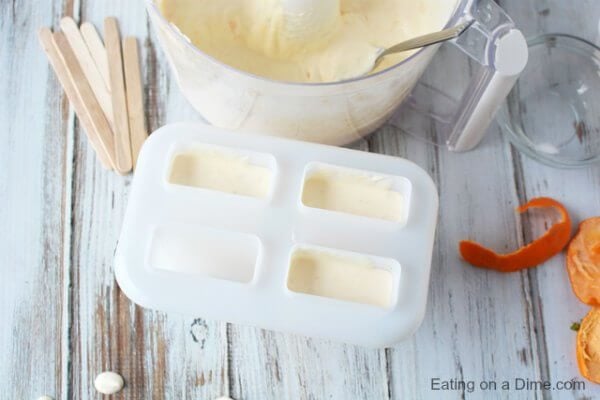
(343, 276)
(356, 192)
(202, 251)
(223, 170)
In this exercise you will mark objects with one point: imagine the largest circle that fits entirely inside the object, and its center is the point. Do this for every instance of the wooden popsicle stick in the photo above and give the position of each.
(135, 99)
(104, 133)
(119, 99)
(88, 65)
(91, 122)
(98, 51)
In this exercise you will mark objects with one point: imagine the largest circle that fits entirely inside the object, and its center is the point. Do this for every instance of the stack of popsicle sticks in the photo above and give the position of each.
(106, 96)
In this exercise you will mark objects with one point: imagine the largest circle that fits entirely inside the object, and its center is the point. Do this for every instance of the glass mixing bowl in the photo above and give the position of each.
(553, 113)
(342, 112)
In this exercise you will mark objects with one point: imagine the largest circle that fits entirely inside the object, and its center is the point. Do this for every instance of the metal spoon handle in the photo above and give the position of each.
(427, 40)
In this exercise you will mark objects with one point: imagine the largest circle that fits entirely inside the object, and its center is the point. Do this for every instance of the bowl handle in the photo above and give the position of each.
(502, 52)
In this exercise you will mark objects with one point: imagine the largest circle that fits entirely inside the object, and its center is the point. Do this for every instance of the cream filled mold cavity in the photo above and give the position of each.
(355, 192)
(343, 276)
(201, 251)
(223, 170)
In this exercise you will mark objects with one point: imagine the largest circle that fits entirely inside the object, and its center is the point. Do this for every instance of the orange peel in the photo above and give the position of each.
(588, 346)
(537, 252)
(583, 262)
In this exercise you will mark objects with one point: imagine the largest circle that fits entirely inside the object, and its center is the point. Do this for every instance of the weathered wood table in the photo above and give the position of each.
(64, 319)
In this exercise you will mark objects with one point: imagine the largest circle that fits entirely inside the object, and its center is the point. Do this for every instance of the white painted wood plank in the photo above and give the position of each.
(270, 365)
(34, 126)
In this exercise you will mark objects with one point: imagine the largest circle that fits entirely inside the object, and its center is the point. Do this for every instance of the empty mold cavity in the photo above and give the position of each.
(343, 276)
(224, 170)
(356, 192)
(212, 253)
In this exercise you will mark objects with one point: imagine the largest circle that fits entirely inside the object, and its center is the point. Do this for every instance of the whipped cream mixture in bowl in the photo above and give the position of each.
(294, 68)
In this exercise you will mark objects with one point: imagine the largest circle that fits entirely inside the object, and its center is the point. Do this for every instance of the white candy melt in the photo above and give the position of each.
(45, 397)
(109, 382)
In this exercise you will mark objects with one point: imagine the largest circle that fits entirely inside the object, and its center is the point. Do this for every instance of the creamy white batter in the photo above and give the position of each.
(221, 171)
(265, 38)
(340, 277)
(353, 193)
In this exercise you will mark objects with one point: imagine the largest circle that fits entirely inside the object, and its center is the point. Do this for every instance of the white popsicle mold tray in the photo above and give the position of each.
(224, 256)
